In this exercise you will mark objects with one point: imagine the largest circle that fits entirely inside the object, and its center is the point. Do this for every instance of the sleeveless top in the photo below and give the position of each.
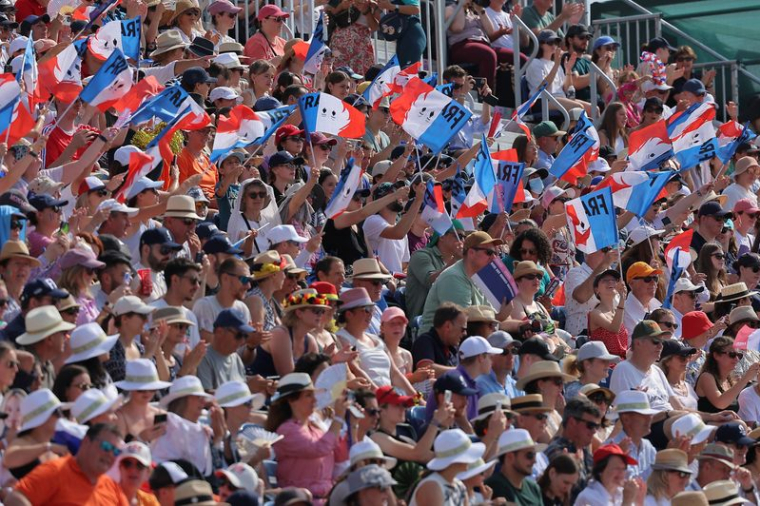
(616, 342)
(704, 404)
(454, 494)
(374, 361)
(270, 315)
(263, 364)
(21, 471)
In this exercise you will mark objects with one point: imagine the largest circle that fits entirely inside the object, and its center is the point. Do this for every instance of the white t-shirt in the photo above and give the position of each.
(500, 19)
(391, 252)
(133, 241)
(193, 333)
(538, 69)
(735, 192)
(208, 308)
(626, 376)
(749, 405)
(577, 313)
(635, 312)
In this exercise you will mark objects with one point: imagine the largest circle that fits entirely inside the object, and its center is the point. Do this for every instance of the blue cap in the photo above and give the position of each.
(196, 75)
(206, 229)
(232, 319)
(733, 432)
(266, 104)
(596, 180)
(158, 235)
(284, 158)
(694, 86)
(455, 382)
(42, 287)
(220, 244)
(44, 201)
(605, 40)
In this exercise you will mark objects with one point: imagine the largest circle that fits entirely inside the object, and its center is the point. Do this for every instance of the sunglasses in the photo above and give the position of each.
(372, 412)
(294, 277)
(192, 12)
(489, 252)
(648, 279)
(17, 224)
(719, 256)
(732, 354)
(109, 448)
(598, 398)
(103, 192)
(725, 230)
(365, 309)
(752, 216)
(277, 19)
(317, 310)
(589, 424)
(656, 341)
(530, 455)
(539, 416)
(257, 195)
(527, 252)
(294, 138)
(324, 147)
(189, 221)
(530, 277)
(246, 280)
(194, 280)
(166, 250)
(130, 463)
(72, 311)
(557, 381)
(669, 325)
(511, 351)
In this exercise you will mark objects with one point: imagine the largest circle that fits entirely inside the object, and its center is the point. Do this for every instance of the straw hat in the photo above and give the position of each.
(514, 440)
(267, 264)
(42, 322)
(672, 459)
(37, 407)
(592, 388)
(484, 314)
(531, 403)
(181, 206)
(141, 374)
(453, 446)
(131, 304)
(292, 268)
(17, 249)
(353, 298)
(91, 404)
(487, 405)
(543, 369)
(526, 267)
(184, 387)
(306, 298)
(689, 425)
(89, 340)
(68, 303)
(171, 315)
(742, 313)
(368, 268)
(689, 499)
(168, 41)
(368, 449)
(734, 292)
(236, 393)
(292, 384)
(182, 6)
(723, 493)
(195, 492)
(719, 452)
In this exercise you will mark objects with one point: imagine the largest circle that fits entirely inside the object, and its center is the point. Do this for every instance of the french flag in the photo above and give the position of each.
(21, 124)
(61, 75)
(680, 242)
(317, 48)
(730, 136)
(433, 210)
(381, 85)
(485, 180)
(747, 339)
(29, 73)
(509, 186)
(145, 88)
(112, 81)
(622, 184)
(580, 169)
(458, 195)
(429, 116)
(592, 221)
(272, 120)
(675, 273)
(525, 108)
(692, 118)
(10, 92)
(568, 158)
(696, 145)
(140, 165)
(164, 106)
(649, 147)
(401, 79)
(238, 130)
(328, 114)
(190, 117)
(120, 34)
(349, 182)
(644, 194)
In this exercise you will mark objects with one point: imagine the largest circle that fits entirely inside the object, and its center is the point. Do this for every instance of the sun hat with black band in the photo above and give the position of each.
(487, 405)
(514, 440)
(531, 403)
(734, 292)
(292, 383)
(723, 493)
(194, 493)
(592, 388)
(689, 498)
(719, 452)
(672, 459)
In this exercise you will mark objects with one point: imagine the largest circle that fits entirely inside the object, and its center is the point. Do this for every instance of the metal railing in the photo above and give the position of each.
(546, 98)
(596, 73)
(518, 71)
(726, 82)
(634, 30)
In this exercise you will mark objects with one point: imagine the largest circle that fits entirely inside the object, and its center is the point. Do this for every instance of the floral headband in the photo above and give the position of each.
(310, 299)
(268, 268)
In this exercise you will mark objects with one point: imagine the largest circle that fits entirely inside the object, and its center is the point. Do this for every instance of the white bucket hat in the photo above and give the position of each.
(453, 446)
(596, 349)
(692, 426)
(514, 440)
(368, 449)
(42, 322)
(89, 341)
(474, 469)
(631, 401)
(235, 393)
(91, 404)
(37, 407)
(141, 374)
(241, 476)
(183, 387)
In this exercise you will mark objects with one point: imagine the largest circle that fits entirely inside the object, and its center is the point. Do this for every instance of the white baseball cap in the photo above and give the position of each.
(114, 205)
(553, 193)
(642, 233)
(131, 304)
(241, 476)
(138, 451)
(595, 349)
(599, 165)
(476, 345)
(123, 153)
(143, 184)
(18, 44)
(684, 284)
(282, 233)
(224, 93)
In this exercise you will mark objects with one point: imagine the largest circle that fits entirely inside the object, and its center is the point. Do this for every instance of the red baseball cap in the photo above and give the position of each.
(287, 131)
(389, 395)
(745, 206)
(272, 10)
(612, 449)
(693, 324)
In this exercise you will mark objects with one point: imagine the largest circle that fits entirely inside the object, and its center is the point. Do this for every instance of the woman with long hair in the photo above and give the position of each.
(79, 267)
(338, 84)
(9, 364)
(185, 19)
(727, 241)
(717, 388)
(527, 150)
(306, 455)
(711, 261)
(558, 479)
(528, 277)
(71, 382)
(260, 81)
(613, 131)
(591, 365)
(254, 207)
(674, 359)
(670, 475)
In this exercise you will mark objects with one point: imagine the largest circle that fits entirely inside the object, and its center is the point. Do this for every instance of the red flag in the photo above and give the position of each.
(403, 77)
(140, 164)
(682, 240)
(21, 123)
(145, 88)
(494, 123)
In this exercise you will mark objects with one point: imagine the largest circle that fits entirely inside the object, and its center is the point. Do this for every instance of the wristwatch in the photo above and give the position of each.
(396, 9)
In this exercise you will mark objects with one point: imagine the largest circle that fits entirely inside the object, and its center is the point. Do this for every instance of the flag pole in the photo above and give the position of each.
(65, 112)
(419, 168)
(255, 152)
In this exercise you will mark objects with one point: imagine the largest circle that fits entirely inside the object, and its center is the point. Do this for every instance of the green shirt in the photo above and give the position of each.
(423, 263)
(453, 285)
(528, 495)
(533, 19)
(582, 67)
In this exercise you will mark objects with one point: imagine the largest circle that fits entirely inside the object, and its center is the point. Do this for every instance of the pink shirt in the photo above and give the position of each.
(259, 48)
(306, 458)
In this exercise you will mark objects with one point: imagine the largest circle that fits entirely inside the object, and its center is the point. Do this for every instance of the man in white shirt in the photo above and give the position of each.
(642, 279)
(745, 216)
(579, 289)
(234, 282)
(745, 174)
(386, 234)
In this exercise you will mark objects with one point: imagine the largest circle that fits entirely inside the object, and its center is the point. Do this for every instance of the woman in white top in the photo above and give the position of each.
(453, 454)
(224, 17)
(609, 486)
(355, 315)
(185, 19)
(547, 67)
(260, 81)
(254, 208)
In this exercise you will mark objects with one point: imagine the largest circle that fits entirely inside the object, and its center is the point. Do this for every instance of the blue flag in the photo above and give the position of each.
(446, 89)
(644, 194)
(112, 80)
(508, 177)
(317, 48)
(592, 220)
(570, 154)
(432, 79)
(725, 153)
(273, 122)
(675, 273)
(165, 106)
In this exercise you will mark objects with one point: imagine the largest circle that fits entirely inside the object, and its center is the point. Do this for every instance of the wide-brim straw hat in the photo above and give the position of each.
(168, 41)
(184, 387)
(368, 268)
(487, 405)
(723, 493)
(42, 322)
(672, 459)
(181, 206)
(292, 383)
(182, 6)
(543, 369)
(734, 292)
(531, 403)
(526, 267)
(17, 249)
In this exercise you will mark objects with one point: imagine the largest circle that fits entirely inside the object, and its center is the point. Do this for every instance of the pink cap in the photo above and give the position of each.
(745, 206)
(220, 6)
(393, 312)
(271, 10)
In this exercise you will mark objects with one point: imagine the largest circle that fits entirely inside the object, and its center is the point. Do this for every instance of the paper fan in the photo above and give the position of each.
(252, 437)
(330, 385)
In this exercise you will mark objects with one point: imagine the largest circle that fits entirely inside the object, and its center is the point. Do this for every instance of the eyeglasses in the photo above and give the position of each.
(277, 19)
(194, 280)
(103, 192)
(17, 224)
(527, 251)
(719, 256)
(589, 424)
(487, 251)
(539, 416)
(72, 311)
(109, 448)
(83, 386)
(241, 336)
(189, 221)
(257, 195)
(656, 341)
(366, 309)
(325, 147)
(130, 463)
(732, 354)
(648, 279)
(670, 325)
(90, 271)
(530, 277)
(372, 412)
(598, 398)
(511, 351)
(246, 280)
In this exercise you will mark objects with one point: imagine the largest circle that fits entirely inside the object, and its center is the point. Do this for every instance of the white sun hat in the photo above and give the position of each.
(141, 374)
(184, 387)
(91, 404)
(42, 322)
(89, 341)
(235, 393)
(36, 408)
(453, 446)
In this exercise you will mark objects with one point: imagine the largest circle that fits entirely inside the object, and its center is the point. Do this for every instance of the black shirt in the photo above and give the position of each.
(430, 346)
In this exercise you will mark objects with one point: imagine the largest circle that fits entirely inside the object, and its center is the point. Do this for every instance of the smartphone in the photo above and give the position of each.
(160, 418)
(65, 227)
(447, 396)
(491, 100)
(479, 82)
(273, 378)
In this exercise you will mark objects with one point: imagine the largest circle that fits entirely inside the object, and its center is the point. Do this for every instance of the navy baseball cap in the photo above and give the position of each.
(284, 158)
(455, 382)
(42, 287)
(266, 103)
(658, 43)
(694, 86)
(714, 208)
(350, 72)
(44, 201)
(196, 75)
(232, 319)
(159, 235)
(220, 244)
(206, 230)
(734, 432)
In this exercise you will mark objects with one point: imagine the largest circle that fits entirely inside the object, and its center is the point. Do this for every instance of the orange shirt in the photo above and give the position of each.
(190, 165)
(259, 48)
(61, 482)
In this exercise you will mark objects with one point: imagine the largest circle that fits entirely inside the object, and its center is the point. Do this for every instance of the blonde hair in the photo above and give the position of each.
(70, 280)
(657, 484)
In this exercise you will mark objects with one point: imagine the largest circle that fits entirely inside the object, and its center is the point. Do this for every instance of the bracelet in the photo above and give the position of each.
(621, 307)
(102, 138)
(34, 153)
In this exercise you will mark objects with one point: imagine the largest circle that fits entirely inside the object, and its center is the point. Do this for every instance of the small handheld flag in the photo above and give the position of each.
(112, 81)
(649, 147)
(592, 221)
(485, 180)
(326, 113)
(238, 130)
(381, 85)
(643, 195)
(433, 210)
(317, 48)
(573, 151)
(349, 182)
(120, 34)
(508, 184)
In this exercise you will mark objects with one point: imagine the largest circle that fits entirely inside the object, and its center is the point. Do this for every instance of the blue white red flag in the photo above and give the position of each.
(622, 184)
(272, 120)
(190, 117)
(429, 116)
(350, 179)
(433, 209)
(446, 89)
(747, 338)
(328, 114)
(140, 164)
(381, 85)
(111, 82)
(643, 195)
(317, 48)
(432, 79)
(401, 79)
(30, 75)
(676, 270)
(496, 283)
(730, 136)
(573, 151)
(10, 92)
(508, 185)
(525, 108)
(696, 146)
(580, 169)
(458, 195)
(61, 75)
(592, 221)
(120, 34)
(485, 181)
(680, 242)
(690, 119)
(238, 130)
(164, 106)
(649, 147)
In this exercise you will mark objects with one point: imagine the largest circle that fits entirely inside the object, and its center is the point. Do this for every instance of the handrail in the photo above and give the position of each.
(517, 25)
(545, 97)
(623, 19)
(596, 72)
